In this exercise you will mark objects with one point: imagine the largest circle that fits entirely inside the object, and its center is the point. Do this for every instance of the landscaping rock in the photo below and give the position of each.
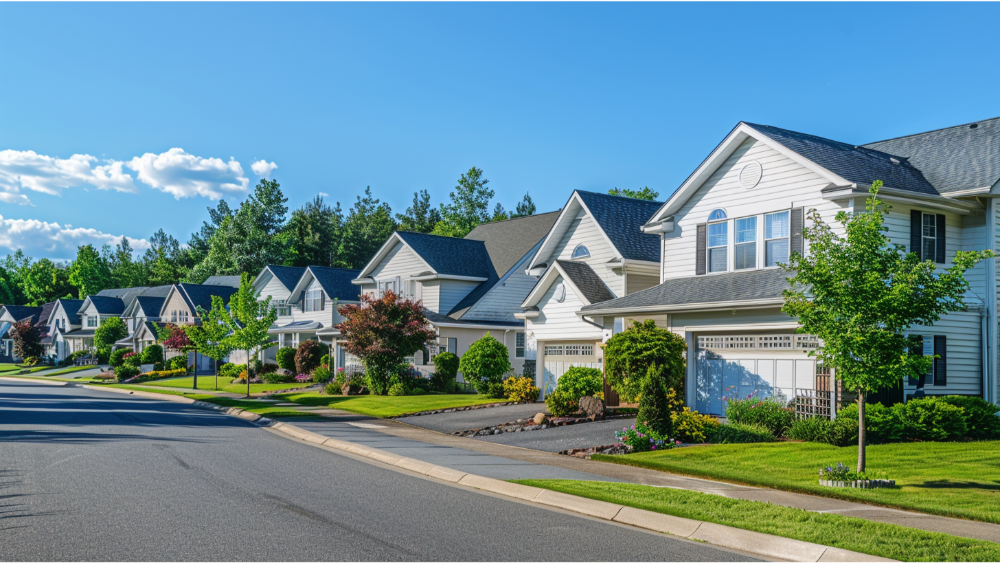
(282, 371)
(591, 406)
(540, 418)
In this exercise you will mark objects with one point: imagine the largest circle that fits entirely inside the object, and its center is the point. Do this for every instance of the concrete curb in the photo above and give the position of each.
(708, 532)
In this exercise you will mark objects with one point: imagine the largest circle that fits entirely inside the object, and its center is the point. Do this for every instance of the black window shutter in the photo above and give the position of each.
(940, 250)
(941, 362)
(917, 350)
(795, 229)
(915, 226)
(701, 242)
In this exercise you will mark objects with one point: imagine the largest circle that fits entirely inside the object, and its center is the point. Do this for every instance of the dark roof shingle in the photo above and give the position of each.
(336, 282)
(288, 275)
(586, 279)
(621, 218)
(451, 256)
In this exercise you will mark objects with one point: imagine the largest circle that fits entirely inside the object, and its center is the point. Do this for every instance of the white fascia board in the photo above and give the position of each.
(260, 278)
(384, 250)
(526, 315)
(725, 149)
(856, 191)
(557, 231)
(300, 286)
(687, 307)
(665, 226)
(449, 277)
(598, 225)
(540, 287)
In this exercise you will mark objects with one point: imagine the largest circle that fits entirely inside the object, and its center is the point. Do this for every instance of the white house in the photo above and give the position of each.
(742, 211)
(9, 315)
(63, 319)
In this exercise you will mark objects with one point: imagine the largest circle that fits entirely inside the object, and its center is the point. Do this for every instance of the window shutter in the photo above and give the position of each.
(795, 230)
(940, 250)
(322, 301)
(917, 350)
(915, 226)
(941, 362)
(701, 246)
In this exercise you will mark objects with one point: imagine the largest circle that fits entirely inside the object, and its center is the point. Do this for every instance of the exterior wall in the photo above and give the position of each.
(466, 336)
(584, 230)
(401, 261)
(90, 311)
(639, 282)
(559, 321)
(277, 292)
(431, 296)
(505, 298)
(451, 292)
(175, 302)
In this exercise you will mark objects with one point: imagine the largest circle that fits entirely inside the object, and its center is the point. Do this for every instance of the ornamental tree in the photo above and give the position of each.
(27, 340)
(485, 364)
(860, 293)
(112, 330)
(210, 338)
(175, 338)
(381, 331)
(249, 320)
(629, 354)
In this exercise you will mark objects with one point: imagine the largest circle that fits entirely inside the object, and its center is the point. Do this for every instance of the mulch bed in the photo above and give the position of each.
(610, 449)
(528, 424)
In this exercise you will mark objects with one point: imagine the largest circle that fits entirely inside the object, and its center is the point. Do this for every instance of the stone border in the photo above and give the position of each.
(528, 424)
(468, 408)
(861, 484)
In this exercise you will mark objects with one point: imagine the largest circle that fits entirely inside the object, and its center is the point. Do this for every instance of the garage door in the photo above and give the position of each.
(561, 357)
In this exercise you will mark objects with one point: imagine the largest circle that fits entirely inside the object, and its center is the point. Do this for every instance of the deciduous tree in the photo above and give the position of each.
(248, 320)
(27, 340)
(89, 272)
(421, 216)
(469, 205)
(645, 193)
(111, 330)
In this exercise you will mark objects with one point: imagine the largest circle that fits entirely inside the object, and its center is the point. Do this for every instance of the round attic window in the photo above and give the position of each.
(560, 293)
(750, 175)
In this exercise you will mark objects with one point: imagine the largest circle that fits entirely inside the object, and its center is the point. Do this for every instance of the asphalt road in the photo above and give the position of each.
(90, 475)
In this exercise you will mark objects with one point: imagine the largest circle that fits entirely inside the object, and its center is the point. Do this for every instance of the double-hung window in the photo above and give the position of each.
(718, 246)
(776, 230)
(91, 321)
(745, 254)
(314, 300)
(928, 237)
(518, 344)
(282, 307)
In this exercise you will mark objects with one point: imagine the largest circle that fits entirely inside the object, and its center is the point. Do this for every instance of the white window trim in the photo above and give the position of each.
(731, 243)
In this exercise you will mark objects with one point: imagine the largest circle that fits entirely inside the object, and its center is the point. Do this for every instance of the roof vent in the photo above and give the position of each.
(750, 175)
(973, 126)
(893, 160)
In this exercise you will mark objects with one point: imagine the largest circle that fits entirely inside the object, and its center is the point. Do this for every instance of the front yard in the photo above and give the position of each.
(207, 383)
(385, 406)
(958, 479)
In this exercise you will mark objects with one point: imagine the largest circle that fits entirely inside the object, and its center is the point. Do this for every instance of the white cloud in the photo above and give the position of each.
(28, 170)
(324, 194)
(52, 240)
(263, 168)
(185, 175)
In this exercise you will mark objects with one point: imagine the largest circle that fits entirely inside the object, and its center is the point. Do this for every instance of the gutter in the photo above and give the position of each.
(710, 306)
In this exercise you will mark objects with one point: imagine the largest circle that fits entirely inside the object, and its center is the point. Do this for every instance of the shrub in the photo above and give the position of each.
(158, 366)
(322, 374)
(580, 382)
(485, 364)
(737, 433)
(931, 420)
(308, 356)
(981, 420)
(418, 391)
(132, 359)
(445, 371)
(560, 403)
(397, 390)
(152, 354)
(520, 389)
(286, 358)
(31, 361)
(275, 377)
(882, 424)
(641, 438)
(656, 402)
(178, 362)
(628, 355)
(692, 427)
(770, 413)
(332, 388)
(111, 330)
(303, 378)
(115, 359)
(811, 429)
(230, 370)
(325, 360)
(125, 372)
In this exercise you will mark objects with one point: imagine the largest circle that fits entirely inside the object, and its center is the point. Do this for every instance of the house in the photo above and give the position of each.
(468, 286)
(10, 315)
(742, 211)
(594, 252)
(311, 309)
(225, 281)
(140, 317)
(180, 306)
(63, 319)
(94, 310)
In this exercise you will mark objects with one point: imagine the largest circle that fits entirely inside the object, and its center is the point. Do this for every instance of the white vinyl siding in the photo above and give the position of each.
(505, 298)
(584, 230)
(639, 282)
(559, 321)
(964, 360)
(277, 292)
(325, 316)
(400, 261)
(453, 291)
(431, 295)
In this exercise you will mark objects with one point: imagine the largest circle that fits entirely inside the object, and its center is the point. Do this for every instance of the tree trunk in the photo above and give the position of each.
(195, 370)
(216, 364)
(861, 431)
(248, 374)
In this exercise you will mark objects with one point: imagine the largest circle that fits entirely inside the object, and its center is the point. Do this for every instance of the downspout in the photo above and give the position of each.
(984, 320)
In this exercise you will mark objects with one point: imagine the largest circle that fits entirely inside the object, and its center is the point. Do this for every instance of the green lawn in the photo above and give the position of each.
(855, 534)
(385, 406)
(9, 369)
(207, 383)
(263, 409)
(66, 370)
(958, 479)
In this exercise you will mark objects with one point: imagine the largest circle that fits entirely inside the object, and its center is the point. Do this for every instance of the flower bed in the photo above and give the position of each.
(860, 484)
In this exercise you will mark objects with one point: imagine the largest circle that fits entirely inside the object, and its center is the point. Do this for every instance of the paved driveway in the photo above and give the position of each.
(585, 435)
(449, 422)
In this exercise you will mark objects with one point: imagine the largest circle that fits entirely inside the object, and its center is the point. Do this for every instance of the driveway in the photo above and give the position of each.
(448, 422)
(584, 435)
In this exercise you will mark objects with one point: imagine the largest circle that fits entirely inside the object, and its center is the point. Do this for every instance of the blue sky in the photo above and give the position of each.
(544, 97)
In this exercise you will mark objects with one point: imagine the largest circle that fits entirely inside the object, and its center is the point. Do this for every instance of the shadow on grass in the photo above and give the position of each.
(944, 484)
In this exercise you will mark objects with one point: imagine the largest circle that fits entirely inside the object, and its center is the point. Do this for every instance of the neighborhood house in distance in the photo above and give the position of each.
(555, 287)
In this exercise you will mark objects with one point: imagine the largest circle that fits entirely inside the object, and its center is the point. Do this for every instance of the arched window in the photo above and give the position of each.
(717, 215)
(580, 252)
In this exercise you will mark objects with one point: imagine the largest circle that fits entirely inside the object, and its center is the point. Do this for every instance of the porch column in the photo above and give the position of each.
(540, 368)
(692, 370)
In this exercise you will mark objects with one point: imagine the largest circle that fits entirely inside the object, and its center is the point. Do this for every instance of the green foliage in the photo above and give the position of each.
(132, 359)
(286, 358)
(645, 193)
(446, 364)
(485, 364)
(275, 377)
(861, 293)
(321, 375)
(642, 438)
(469, 205)
(251, 237)
(89, 272)
(981, 420)
(333, 388)
(368, 225)
(307, 357)
(178, 362)
(629, 354)
(115, 359)
(769, 413)
(524, 207)
(27, 340)
(231, 370)
(657, 403)
(421, 216)
(560, 403)
(325, 361)
(248, 320)
(810, 429)
(125, 371)
(397, 390)
(693, 427)
(111, 330)
(211, 339)
(152, 354)
(580, 381)
(520, 389)
(736, 433)
(930, 420)
(314, 233)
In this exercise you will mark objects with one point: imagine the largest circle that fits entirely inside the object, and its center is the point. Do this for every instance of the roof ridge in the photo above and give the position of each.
(623, 197)
(806, 135)
(510, 219)
(931, 131)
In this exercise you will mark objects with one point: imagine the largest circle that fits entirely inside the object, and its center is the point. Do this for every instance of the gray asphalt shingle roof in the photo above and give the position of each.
(22, 312)
(736, 286)
(227, 281)
(72, 308)
(336, 282)
(289, 276)
(201, 295)
(586, 279)
(150, 305)
(620, 218)
(449, 255)
(438, 318)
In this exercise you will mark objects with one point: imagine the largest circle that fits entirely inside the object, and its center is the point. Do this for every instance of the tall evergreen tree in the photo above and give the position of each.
(499, 213)
(366, 229)
(469, 205)
(162, 260)
(421, 216)
(524, 208)
(314, 233)
(89, 272)
(125, 270)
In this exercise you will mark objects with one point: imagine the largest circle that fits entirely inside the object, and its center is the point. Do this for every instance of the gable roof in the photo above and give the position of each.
(22, 312)
(196, 295)
(592, 287)
(150, 305)
(336, 282)
(43, 316)
(620, 218)
(958, 158)
(288, 276)
(508, 241)
(227, 281)
(106, 305)
(72, 309)
(449, 255)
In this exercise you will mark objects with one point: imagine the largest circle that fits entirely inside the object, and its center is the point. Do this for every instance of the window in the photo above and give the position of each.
(746, 243)
(282, 307)
(718, 241)
(411, 290)
(928, 237)
(91, 321)
(314, 300)
(518, 344)
(580, 252)
(182, 316)
(776, 238)
(553, 350)
(717, 215)
(579, 350)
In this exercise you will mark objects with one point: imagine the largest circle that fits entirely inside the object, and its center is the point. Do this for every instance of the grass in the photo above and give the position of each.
(68, 370)
(385, 406)
(957, 479)
(207, 383)
(10, 369)
(855, 534)
(263, 409)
